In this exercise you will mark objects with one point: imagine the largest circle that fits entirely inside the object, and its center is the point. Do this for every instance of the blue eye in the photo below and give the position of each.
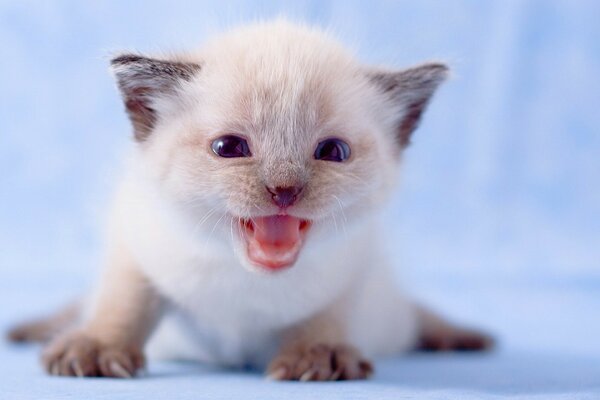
(332, 150)
(230, 146)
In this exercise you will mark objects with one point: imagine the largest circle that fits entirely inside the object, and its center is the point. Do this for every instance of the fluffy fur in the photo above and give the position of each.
(176, 258)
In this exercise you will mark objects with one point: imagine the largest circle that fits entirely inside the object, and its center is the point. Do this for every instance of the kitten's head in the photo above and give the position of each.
(272, 135)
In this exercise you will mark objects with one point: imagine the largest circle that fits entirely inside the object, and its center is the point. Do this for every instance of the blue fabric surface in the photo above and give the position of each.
(497, 225)
(547, 349)
(504, 375)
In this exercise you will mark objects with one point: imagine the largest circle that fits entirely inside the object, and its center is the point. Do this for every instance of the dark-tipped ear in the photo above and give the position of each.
(142, 81)
(409, 92)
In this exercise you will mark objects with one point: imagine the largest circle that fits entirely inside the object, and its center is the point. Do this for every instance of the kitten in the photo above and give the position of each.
(244, 230)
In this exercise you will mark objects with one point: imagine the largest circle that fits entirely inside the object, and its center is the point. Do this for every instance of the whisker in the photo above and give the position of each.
(335, 223)
(258, 207)
(203, 220)
(213, 229)
(345, 220)
(239, 226)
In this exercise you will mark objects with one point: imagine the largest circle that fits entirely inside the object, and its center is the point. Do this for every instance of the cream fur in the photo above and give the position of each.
(174, 232)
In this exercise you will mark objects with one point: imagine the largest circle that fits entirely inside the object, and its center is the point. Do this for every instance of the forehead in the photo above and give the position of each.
(293, 107)
(281, 97)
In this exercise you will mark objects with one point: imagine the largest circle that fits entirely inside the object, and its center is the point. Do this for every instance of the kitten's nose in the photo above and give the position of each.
(284, 196)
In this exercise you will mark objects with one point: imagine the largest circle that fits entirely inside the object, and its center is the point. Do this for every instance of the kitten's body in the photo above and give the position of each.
(238, 316)
(185, 221)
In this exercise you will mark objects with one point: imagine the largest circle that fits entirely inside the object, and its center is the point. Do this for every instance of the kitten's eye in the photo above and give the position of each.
(230, 146)
(332, 150)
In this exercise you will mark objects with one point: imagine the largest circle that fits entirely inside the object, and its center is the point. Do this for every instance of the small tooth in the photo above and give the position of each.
(278, 374)
(119, 370)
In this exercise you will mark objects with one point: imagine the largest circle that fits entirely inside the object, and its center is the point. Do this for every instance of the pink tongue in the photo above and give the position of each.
(274, 242)
(281, 231)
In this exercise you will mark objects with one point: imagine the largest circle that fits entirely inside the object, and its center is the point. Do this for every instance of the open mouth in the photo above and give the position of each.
(274, 242)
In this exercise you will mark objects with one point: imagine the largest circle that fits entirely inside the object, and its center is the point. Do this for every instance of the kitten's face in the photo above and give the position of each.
(269, 147)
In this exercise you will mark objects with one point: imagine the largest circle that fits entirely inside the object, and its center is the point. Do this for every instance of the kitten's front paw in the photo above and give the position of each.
(78, 354)
(320, 363)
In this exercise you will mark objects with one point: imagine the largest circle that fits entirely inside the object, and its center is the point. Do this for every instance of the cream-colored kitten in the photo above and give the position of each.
(245, 226)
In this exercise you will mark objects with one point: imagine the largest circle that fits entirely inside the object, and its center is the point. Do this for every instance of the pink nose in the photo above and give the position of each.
(284, 196)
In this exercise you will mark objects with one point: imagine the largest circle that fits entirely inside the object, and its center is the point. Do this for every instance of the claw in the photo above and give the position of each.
(76, 367)
(367, 370)
(308, 375)
(336, 375)
(278, 374)
(119, 370)
(54, 369)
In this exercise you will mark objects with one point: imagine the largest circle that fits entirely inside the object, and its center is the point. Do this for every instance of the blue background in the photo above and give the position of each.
(498, 219)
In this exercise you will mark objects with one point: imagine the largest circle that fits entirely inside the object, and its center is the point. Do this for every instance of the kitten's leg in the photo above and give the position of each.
(44, 329)
(384, 321)
(318, 351)
(110, 341)
(437, 334)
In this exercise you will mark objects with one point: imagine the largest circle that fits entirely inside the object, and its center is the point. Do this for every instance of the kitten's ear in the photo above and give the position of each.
(142, 81)
(409, 92)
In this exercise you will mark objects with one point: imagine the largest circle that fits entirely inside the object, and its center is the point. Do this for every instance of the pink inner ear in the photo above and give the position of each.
(410, 122)
(141, 114)
(410, 90)
(142, 78)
